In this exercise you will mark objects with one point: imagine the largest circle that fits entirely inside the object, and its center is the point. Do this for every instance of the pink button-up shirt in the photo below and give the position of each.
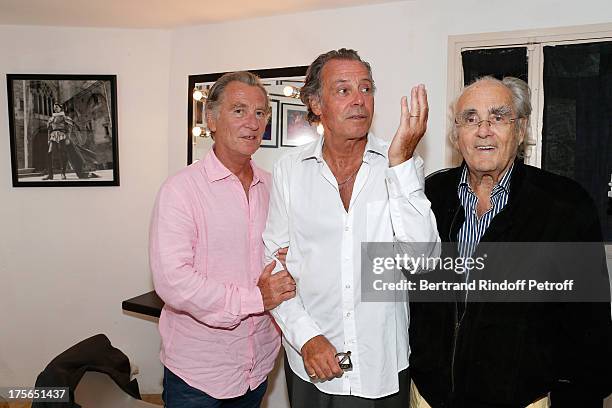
(206, 255)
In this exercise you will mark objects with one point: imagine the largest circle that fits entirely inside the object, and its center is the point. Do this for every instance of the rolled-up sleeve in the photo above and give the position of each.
(172, 242)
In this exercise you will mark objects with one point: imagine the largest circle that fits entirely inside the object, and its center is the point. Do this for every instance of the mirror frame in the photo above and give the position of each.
(264, 74)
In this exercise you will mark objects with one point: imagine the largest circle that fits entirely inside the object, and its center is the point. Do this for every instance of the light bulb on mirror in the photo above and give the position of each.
(198, 95)
(196, 131)
(320, 129)
(288, 91)
(291, 92)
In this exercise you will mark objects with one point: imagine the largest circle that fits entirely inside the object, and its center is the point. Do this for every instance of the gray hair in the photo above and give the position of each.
(216, 92)
(312, 84)
(521, 104)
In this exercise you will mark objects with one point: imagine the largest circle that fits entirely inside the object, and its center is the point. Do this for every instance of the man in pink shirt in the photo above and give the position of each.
(206, 254)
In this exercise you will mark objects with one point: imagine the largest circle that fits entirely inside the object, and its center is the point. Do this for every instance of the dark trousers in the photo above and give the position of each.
(304, 394)
(60, 148)
(178, 394)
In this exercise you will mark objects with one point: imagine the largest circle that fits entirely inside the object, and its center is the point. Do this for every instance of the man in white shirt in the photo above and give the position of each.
(327, 198)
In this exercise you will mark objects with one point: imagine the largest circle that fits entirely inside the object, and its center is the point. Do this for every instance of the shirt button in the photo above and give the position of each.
(346, 228)
(348, 314)
(348, 286)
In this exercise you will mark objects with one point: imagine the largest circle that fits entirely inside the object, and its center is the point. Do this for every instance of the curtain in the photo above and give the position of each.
(496, 62)
(577, 122)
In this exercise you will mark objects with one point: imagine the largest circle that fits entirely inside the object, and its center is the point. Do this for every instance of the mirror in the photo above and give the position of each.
(287, 126)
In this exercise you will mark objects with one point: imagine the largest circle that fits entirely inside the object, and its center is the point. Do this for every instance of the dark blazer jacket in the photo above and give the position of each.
(511, 354)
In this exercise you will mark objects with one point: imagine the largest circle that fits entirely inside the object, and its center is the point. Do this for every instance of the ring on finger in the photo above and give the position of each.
(312, 375)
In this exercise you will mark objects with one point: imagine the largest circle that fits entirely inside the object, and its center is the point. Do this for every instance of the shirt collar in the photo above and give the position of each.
(314, 150)
(376, 145)
(503, 185)
(215, 170)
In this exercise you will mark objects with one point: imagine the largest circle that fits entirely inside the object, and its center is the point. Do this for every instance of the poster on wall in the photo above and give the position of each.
(63, 130)
(296, 130)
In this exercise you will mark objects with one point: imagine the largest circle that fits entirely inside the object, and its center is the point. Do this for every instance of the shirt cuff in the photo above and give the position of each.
(306, 330)
(251, 301)
(405, 178)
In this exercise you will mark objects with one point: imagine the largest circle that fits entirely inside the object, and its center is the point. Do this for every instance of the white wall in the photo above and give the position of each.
(406, 43)
(69, 256)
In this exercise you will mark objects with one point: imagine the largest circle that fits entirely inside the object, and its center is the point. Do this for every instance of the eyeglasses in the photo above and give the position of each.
(494, 121)
(344, 361)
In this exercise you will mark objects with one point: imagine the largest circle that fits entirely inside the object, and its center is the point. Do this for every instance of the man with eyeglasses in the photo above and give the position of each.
(469, 354)
(328, 197)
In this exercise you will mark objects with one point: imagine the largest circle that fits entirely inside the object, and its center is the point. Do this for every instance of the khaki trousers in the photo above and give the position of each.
(416, 401)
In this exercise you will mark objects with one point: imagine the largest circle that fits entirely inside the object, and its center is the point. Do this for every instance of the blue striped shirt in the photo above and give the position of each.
(474, 228)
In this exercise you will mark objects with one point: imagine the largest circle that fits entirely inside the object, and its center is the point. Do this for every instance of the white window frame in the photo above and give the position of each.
(534, 41)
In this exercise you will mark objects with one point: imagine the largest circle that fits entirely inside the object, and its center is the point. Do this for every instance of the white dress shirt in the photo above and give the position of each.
(307, 215)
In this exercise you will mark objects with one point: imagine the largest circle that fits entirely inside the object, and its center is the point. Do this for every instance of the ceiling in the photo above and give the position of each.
(154, 13)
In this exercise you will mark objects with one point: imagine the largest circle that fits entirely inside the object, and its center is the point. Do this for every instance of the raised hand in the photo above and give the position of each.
(412, 127)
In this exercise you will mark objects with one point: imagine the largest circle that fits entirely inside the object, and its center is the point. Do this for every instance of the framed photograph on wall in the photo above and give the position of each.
(63, 130)
(270, 136)
(296, 130)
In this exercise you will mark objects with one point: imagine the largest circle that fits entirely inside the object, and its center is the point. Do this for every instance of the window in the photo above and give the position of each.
(570, 75)
(497, 62)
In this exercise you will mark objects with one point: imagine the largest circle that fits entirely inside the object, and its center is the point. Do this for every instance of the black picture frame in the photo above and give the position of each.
(264, 74)
(306, 132)
(78, 144)
(270, 136)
